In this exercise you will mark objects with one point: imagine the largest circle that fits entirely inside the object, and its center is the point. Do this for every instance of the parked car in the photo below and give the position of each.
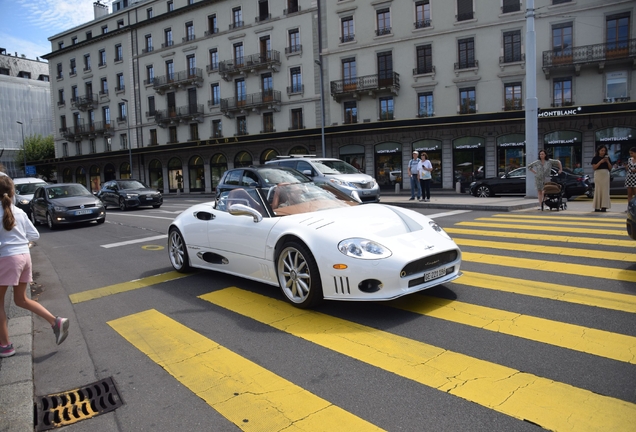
(24, 189)
(514, 183)
(65, 203)
(617, 182)
(129, 193)
(322, 244)
(337, 172)
(631, 219)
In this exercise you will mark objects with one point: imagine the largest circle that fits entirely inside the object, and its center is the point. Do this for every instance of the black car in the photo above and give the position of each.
(129, 193)
(631, 218)
(65, 203)
(264, 177)
(514, 183)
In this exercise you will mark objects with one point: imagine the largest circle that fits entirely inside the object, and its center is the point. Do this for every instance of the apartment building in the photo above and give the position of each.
(200, 86)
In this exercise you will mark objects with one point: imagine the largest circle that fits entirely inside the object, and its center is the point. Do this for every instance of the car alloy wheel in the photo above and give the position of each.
(178, 252)
(122, 204)
(49, 221)
(483, 191)
(298, 275)
(34, 221)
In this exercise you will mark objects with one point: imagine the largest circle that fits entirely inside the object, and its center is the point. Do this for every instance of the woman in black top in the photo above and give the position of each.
(602, 166)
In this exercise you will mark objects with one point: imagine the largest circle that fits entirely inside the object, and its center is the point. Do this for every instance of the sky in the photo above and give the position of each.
(26, 25)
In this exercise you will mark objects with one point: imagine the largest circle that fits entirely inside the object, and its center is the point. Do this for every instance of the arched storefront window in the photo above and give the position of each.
(196, 172)
(433, 149)
(155, 174)
(511, 153)
(268, 155)
(469, 154)
(96, 181)
(124, 171)
(242, 159)
(388, 164)
(80, 176)
(109, 172)
(298, 150)
(67, 175)
(175, 175)
(354, 155)
(566, 146)
(218, 165)
(618, 141)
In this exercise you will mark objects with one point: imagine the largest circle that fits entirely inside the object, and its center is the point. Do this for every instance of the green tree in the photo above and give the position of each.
(38, 150)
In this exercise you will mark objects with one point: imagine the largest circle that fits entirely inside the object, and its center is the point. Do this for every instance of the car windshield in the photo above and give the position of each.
(288, 199)
(335, 167)
(519, 172)
(67, 191)
(273, 176)
(27, 188)
(131, 185)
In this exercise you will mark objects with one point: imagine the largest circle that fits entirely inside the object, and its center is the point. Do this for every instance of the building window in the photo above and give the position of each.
(59, 71)
(151, 106)
(464, 10)
(216, 94)
(150, 74)
(513, 99)
(74, 93)
(89, 35)
(190, 2)
(120, 23)
(148, 13)
(148, 44)
(292, 7)
(616, 87)
(60, 45)
(617, 31)
(386, 108)
(297, 118)
(562, 92)
(385, 69)
(237, 18)
(60, 97)
(172, 134)
(296, 80)
(349, 74)
(294, 41)
(107, 145)
(153, 137)
(168, 38)
(350, 112)
(120, 82)
(556, 2)
(425, 104)
(422, 14)
(106, 115)
(119, 54)
(467, 101)
(241, 125)
(103, 86)
(194, 131)
(191, 60)
(78, 148)
(383, 22)
(466, 52)
(123, 141)
(102, 58)
(216, 129)
(263, 10)
(268, 122)
(87, 62)
(65, 149)
(122, 112)
(73, 68)
(424, 60)
(238, 54)
(511, 6)
(512, 46)
(241, 95)
(348, 33)
(562, 41)
(170, 6)
(214, 60)
(189, 31)
(212, 26)
(93, 147)
(170, 70)
(104, 29)
(74, 40)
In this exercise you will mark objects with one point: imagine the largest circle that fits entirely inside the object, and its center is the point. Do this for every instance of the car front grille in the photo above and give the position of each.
(427, 263)
(367, 185)
(80, 207)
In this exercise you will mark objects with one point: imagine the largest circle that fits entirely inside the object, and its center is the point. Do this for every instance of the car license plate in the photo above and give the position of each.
(81, 212)
(434, 274)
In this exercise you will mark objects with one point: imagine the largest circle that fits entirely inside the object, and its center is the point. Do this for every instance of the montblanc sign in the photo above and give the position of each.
(559, 112)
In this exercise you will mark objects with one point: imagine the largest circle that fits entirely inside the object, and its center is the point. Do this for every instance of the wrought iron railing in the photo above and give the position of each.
(251, 100)
(367, 82)
(194, 74)
(590, 53)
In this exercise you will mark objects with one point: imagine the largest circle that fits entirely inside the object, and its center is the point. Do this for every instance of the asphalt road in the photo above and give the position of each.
(538, 332)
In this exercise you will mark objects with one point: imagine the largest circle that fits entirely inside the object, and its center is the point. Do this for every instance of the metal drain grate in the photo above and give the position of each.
(61, 409)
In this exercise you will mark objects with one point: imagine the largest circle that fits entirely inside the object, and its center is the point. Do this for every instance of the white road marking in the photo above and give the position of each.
(450, 213)
(129, 242)
(140, 216)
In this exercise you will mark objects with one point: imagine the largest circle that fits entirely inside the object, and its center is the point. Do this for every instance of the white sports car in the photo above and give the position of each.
(314, 243)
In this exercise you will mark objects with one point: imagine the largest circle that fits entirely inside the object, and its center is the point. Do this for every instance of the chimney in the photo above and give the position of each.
(99, 9)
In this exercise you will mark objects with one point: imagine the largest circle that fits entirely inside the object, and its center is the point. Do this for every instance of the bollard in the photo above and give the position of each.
(458, 187)
(397, 188)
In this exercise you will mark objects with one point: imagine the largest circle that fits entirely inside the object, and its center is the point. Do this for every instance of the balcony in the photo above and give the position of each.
(291, 10)
(370, 84)
(68, 133)
(94, 129)
(422, 23)
(251, 102)
(178, 80)
(83, 103)
(251, 63)
(599, 54)
(184, 114)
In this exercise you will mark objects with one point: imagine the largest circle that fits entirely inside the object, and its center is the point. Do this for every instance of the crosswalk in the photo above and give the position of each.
(528, 265)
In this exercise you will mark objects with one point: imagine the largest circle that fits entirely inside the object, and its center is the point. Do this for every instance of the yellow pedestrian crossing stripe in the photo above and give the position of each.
(544, 222)
(519, 394)
(578, 338)
(561, 218)
(535, 227)
(251, 397)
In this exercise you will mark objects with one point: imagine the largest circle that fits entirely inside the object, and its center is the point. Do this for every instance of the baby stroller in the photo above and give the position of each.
(553, 193)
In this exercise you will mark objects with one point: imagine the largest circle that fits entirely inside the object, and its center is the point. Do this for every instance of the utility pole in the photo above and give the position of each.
(532, 111)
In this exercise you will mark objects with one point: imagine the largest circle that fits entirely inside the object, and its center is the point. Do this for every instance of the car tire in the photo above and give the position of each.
(49, 221)
(122, 204)
(298, 275)
(178, 252)
(101, 221)
(156, 206)
(483, 191)
(34, 221)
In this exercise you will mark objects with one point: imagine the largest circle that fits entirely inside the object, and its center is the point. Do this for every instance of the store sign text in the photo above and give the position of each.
(559, 113)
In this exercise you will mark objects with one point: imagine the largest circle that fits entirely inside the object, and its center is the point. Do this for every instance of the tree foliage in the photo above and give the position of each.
(38, 149)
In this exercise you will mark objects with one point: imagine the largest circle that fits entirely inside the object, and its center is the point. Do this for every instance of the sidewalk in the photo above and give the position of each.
(16, 373)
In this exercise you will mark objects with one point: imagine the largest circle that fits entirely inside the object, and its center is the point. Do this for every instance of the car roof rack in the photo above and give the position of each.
(296, 156)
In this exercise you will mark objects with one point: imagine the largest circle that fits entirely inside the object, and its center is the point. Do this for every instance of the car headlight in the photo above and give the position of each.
(23, 201)
(131, 195)
(473, 184)
(438, 229)
(363, 248)
(59, 208)
(342, 183)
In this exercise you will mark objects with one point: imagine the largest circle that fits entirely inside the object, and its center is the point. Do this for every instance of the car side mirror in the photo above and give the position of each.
(308, 173)
(243, 210)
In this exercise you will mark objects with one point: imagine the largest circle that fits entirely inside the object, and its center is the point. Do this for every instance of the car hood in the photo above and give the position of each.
(351, 178)
(28, 197)
(75, 201)
(139, 191)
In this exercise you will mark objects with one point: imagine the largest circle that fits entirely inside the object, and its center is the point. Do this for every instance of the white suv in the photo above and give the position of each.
(335, 172)
(24, 189)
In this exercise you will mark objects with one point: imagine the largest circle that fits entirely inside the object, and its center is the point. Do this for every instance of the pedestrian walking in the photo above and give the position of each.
(15, 267)
(414, 174)
(425, 177)
(542, 169)
(602, 166)
(630, 177)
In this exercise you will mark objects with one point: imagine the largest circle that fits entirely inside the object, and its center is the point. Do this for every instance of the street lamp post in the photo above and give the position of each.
(322, 108)
(23, 147)
(128, 140)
